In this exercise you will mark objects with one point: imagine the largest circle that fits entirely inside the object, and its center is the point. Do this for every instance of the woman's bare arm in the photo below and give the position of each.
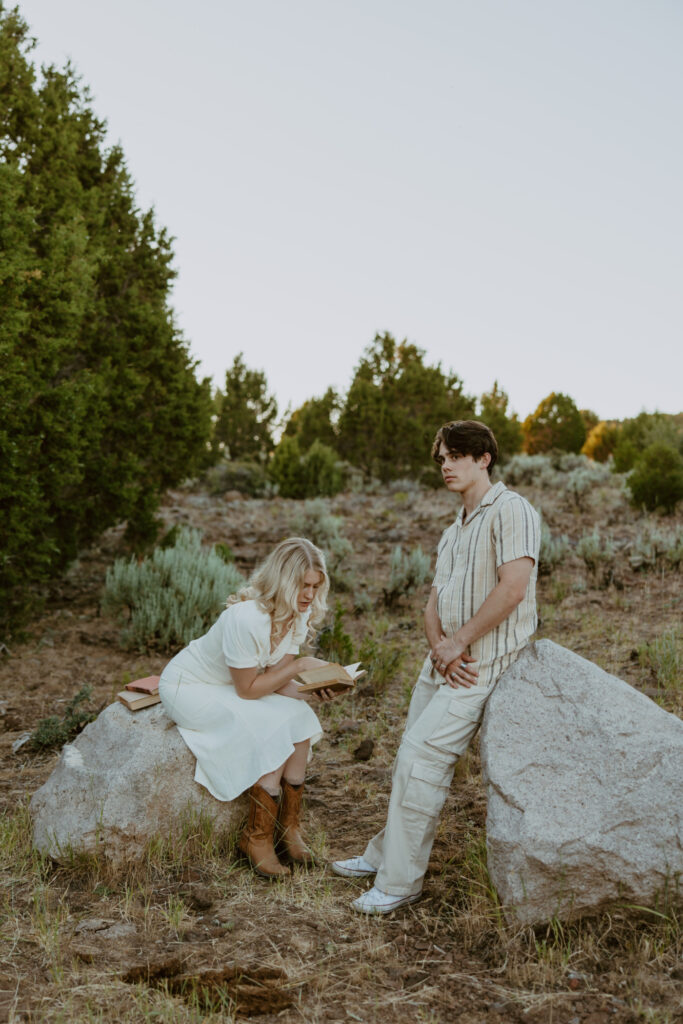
(252, 683)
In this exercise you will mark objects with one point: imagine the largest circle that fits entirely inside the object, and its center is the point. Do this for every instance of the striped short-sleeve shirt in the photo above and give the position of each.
(502, 528)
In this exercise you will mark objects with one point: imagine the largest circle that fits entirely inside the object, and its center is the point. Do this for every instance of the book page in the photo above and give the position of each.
(355, 671)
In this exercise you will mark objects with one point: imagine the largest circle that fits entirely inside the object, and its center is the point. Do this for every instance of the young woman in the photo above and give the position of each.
(231, 693)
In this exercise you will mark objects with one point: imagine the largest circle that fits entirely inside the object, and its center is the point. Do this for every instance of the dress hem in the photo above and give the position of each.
(279, 758)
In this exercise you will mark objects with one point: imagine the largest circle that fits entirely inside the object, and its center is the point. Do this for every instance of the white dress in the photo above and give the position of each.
(235, 741)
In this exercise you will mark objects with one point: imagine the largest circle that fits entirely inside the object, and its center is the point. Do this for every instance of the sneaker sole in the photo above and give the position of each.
(386, 910)
(351, 872)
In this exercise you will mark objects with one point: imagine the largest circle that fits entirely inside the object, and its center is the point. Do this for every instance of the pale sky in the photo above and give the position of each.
(499, 181)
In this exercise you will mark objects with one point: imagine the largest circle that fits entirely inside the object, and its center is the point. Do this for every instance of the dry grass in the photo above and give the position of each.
(71, 935)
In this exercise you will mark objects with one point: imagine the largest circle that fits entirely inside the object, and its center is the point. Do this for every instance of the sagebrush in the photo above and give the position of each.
(407, 572)
(170, 597)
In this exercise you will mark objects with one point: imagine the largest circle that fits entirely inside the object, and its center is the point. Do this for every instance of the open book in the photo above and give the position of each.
(329, 677)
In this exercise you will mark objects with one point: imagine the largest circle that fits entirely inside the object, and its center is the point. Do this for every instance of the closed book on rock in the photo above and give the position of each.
(150, 684)
(135, 701)
(329, 677)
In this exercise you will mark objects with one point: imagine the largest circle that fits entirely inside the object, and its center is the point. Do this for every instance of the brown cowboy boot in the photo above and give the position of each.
(256, 841)
(288, 825)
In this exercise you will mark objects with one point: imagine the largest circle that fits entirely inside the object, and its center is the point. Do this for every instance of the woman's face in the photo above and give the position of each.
(310, 584)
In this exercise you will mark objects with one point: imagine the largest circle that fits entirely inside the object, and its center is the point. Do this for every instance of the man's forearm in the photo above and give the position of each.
(433, 627)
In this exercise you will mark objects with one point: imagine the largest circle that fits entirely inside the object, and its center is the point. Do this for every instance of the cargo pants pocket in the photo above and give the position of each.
(427, 788)
(458, 725)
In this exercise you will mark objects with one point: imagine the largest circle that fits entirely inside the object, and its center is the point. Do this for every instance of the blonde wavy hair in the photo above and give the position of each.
(276, 582)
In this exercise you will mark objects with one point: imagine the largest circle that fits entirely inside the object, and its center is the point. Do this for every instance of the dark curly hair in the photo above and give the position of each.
(466, 437)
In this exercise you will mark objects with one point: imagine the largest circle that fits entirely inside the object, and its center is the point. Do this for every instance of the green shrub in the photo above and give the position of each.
(225, 552)
(597, 552)
(569, 474)
(333, 643)
(321, 471)
(553, 550)
(581, 480)
(305, 474)
(529, 470)
(315, 521)
(656, 481)
(664, 656)
(362, 602)
(381, 660)
(246, 477)
(407, 573)
(171, 597)
(55, 731)
(654, 548)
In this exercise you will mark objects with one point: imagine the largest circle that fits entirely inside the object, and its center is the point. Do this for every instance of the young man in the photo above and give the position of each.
(480, 614)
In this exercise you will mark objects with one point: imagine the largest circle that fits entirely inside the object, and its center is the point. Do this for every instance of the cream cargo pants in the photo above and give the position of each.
(441, 723)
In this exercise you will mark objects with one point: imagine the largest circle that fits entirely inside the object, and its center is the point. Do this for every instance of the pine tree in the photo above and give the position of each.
(315, 421)
(506, 427)
(101, 406)
(244, 428)
(394, 407)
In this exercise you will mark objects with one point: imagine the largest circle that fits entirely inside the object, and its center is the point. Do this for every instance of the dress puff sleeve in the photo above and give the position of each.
(298, 633)
(245, 636)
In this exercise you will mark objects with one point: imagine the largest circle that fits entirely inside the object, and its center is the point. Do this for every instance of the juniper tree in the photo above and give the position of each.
(647, 428)
(101, 406)
(315, 420)
(245, 423)
(394, 407)
(505, 426)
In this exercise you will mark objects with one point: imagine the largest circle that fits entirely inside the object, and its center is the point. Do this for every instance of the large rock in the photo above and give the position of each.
(127, 777)
(585, 789)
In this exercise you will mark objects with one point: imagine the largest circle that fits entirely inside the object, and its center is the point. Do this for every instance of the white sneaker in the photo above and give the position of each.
(354, 867)
(374, 901)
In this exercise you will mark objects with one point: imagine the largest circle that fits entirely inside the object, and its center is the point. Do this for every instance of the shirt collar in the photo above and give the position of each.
(493, 493)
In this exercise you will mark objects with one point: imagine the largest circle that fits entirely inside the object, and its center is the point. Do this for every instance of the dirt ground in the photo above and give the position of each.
(192, 935)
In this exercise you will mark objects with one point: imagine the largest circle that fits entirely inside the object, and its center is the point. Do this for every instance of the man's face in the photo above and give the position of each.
(459, 472)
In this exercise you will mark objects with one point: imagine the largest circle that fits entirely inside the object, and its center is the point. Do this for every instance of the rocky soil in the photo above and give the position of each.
(192, 935)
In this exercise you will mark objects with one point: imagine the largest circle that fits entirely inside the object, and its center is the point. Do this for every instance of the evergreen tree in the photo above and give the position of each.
(244, 428)
(647, 428)
(506, 427)
(656, 480)
(315, 421)
(556, 424)
(101, 406)
(394, 407)
(308, 473)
